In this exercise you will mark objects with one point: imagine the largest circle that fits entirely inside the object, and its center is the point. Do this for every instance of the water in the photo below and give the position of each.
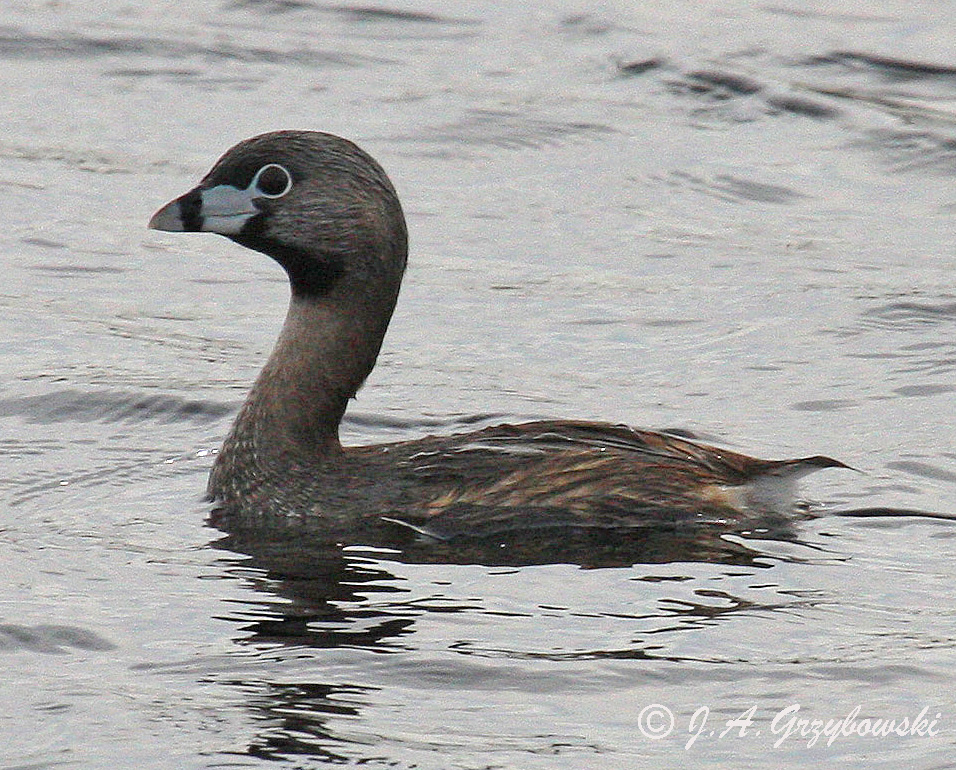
(728, 218)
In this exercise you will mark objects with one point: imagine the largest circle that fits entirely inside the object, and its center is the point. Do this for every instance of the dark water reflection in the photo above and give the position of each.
(315, 594)
(306, 547)
(309, 596)
(731, 218)
(308, 578)
(310, 600)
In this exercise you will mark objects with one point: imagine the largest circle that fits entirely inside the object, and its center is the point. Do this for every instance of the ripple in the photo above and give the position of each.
(50, 639)
(109, 406)
(735, 189)
(510, 130)
(722, 81)
(888, 66)
(823, 405)
(354, 12)
(721, 89)
(910, 315)
(923, 470)
(20, 45)
(915, 149)
(380, 13)
(929, 389)
(69, 271)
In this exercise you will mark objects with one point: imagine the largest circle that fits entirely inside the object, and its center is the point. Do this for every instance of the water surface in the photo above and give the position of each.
(729, 219)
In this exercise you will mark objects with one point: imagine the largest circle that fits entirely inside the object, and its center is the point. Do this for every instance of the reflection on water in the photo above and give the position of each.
(729, 218)
(50, 639)
(316, 610)
(297, 716)
(307, 546)
(310, 596)
(308, 579)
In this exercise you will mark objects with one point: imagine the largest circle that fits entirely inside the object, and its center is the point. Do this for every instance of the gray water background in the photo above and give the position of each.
(726, 217)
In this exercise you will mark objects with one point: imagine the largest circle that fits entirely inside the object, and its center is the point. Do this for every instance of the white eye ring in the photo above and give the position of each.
(275, 191)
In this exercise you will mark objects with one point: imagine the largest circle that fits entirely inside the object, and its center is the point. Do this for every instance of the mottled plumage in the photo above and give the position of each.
(326, 212)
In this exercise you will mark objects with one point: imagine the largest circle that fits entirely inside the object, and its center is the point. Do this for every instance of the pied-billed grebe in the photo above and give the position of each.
(327, 213)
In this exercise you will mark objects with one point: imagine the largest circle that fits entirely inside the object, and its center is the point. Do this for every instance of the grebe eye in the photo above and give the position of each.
(272, 181)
